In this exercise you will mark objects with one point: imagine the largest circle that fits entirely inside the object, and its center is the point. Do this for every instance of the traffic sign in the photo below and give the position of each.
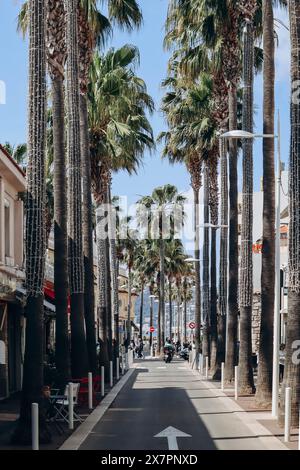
(152, 329)
(192, 325)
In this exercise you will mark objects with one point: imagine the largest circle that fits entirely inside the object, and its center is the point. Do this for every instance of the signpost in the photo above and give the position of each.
(152, 329)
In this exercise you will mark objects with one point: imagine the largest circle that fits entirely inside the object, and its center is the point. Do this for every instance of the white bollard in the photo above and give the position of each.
(71, 406)
(222, 376)
(206, 367)
(236, 382)
(126, 361)
(111, 374)
(118, 368)
(90, 391)
(287, 417)
(35, 426)
(123, 365)
(102, 381)
(201, 364)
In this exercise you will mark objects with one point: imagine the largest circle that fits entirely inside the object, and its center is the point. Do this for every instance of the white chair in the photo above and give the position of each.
(61, 405)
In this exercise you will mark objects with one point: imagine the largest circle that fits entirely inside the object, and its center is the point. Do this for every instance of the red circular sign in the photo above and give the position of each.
(192, 325)
(152, 329)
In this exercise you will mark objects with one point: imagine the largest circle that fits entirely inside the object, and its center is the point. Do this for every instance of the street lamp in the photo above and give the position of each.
(239, 134)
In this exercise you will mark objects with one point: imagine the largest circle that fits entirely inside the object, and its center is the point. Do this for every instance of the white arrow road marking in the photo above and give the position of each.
(161, 367)
(172, 434)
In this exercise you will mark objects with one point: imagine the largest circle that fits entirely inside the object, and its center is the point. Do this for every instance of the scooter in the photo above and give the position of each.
(168, 356)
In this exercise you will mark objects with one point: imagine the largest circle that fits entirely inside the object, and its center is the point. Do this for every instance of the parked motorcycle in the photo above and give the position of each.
(184, 354)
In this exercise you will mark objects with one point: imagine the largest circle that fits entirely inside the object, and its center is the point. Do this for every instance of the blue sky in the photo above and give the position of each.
(155, 172)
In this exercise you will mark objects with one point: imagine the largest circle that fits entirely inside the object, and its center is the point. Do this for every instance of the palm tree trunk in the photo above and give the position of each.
(87, 231)
(246, 382)
(151, 319)
(159, 324)
(114, 278)
(205, 269)
(170, 309)
(142, 311)
(292, 364)
(184, 318)
(178, 318)
(197, 274)
(101, 276)
(162, 292)
(213, 304)
(109, 300)
(232, 314)
(223, 280)
(79, 355)
(35, 228)
(129, 308)
(62, 343)
(264, 379)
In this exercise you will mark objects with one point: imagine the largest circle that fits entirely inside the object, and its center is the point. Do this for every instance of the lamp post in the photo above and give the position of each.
(238, 134)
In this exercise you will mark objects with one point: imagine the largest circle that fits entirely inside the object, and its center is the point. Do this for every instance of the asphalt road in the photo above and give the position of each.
(160, 395)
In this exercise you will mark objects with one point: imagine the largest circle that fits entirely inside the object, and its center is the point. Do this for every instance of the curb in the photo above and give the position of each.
(79, 436)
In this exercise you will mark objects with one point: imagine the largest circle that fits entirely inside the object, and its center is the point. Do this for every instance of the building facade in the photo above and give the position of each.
(12, 322)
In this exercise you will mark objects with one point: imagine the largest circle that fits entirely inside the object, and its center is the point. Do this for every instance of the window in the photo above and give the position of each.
(7, 228)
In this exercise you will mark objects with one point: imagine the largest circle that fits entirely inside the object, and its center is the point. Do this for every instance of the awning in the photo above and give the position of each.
(136, 328)
(49, 307)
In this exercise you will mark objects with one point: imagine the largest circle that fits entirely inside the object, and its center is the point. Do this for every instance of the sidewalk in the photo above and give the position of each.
(246, 407)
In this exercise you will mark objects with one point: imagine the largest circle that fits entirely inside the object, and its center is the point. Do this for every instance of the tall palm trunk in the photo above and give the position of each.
(214, 217)
(162, 292)
(232, 314)
(129, 306)
(196, 184)
(292, 365)
(35, 227)
(109, 299)
(87, 231)
(205, 268)
(178, 318)
(264, 379)
(246, 382)
(79, 356)
(223, 280)
(142, 310)
(158, 320)
(62, 343)
(170, 309)
(184, 318)
(101, 276)
(151, 319)
(114, 277)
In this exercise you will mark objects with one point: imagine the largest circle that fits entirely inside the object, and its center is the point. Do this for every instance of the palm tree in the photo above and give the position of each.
(246, 382)
(188, 138)
(292, 366)
(119, 131)
(35, 228)
(214, 217)
(264, 378)
(76, 268)
(93, 28)
(175, 264)
(165, 204)
(18, 153)
(56, 58)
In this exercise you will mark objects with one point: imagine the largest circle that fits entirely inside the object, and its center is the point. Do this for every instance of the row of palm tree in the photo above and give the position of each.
(214, 52)
(100, 105)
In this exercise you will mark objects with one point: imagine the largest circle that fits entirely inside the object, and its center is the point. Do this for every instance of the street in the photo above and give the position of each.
(167, 407)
